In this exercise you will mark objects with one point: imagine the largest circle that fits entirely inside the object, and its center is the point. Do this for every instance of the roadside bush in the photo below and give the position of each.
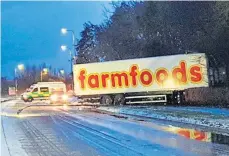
(208, 96)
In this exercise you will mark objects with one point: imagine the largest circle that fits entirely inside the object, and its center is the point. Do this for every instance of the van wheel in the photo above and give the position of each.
(106, 100)
(30, 100)
(119, 99)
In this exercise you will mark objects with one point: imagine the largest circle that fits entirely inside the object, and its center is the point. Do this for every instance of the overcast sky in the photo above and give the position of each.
(31, 31)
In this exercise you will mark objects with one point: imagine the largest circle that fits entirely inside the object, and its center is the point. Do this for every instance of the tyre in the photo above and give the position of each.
(119, 99)
(30, 100)
(106, 100)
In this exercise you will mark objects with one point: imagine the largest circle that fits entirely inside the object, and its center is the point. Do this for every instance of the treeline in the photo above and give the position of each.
(147, 29)
(32, 74)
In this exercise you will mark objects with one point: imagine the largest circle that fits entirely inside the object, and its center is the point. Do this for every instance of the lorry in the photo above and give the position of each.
(160, 79)
(42, 90)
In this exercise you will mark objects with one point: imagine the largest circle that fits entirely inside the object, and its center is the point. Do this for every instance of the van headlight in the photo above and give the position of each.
(53, 97)
(25, 96)
(65, 97)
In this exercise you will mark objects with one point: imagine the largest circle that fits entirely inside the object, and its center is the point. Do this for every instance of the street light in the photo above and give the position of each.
(62, 72)
(20, 67)
(45, 70)
(65, 48)
(65, 31)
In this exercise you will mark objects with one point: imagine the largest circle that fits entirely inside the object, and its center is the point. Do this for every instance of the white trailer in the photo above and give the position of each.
(145, 80)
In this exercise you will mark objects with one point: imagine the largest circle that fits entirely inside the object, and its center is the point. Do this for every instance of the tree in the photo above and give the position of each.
(87, 43)
(145, 29)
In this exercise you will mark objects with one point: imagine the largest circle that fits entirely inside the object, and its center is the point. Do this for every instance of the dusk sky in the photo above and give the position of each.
(31, 31)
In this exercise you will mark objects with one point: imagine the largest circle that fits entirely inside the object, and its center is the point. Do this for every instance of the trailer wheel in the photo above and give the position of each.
(119, 99)
(106, 100)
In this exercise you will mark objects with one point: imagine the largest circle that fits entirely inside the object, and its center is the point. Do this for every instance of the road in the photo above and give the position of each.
(76, 131)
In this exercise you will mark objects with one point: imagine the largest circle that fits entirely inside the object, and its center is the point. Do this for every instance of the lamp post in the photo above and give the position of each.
(65, 48)
(64, 31)
(19, 67)
(62, 72)
(45, 70)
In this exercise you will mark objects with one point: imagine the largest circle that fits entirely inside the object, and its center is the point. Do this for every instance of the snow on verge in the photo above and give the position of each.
(215, 121)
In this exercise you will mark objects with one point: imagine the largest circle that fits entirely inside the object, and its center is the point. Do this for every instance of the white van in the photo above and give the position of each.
(43, 90)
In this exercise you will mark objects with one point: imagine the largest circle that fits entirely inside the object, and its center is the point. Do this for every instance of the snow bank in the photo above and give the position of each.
(73, 99)
(213, 111)
(4, 99)
(216, 118)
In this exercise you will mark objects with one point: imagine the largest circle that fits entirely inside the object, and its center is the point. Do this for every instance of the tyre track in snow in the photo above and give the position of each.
(36, 143)
(99, 139)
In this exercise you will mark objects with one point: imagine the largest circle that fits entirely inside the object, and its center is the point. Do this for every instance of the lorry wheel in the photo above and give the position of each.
(106, 100)
(119, 99)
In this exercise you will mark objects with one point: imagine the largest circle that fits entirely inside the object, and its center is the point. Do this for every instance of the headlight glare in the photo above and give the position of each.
(65, 97)
(53, 97)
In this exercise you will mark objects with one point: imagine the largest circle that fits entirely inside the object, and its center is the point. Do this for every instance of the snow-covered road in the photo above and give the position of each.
(73, 131)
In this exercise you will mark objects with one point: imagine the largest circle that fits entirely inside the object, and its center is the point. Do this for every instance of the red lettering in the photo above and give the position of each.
(82, 78)
(161, 76)
(182, 77)
(196, 75)
(119, 77)
(199, 136)
(134, 74)
(104, 80)
(146, 77)
(185, 133)
(93, 81)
